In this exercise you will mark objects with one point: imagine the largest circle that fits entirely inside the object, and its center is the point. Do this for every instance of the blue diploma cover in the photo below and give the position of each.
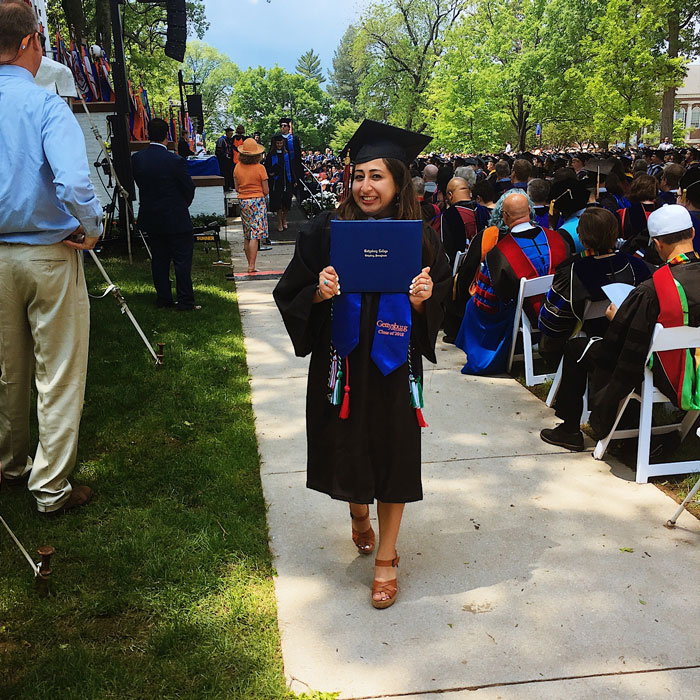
(376, 256)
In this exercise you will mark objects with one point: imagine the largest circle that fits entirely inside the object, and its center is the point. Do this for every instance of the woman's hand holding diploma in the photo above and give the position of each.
(421, 288)
(328, 285)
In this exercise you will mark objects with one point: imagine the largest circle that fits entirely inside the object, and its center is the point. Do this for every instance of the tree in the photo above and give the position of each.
(309, 67)
(145, 25)
(627, 71)
(346, 76)
(343, 133)
(504, 69)
(217, 76)
(682, 38)
(263, 95)
(402, 42)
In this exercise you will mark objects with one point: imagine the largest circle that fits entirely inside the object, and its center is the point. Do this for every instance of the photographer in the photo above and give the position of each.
(48, 212)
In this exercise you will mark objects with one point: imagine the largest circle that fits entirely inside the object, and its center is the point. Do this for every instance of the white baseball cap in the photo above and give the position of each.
(671, 218)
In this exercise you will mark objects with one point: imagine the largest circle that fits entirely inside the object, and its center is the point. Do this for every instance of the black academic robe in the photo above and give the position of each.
(621, 355)
(375, 453)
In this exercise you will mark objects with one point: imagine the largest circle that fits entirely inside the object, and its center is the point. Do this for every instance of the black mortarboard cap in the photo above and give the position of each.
(691, 178)
(568, 196)
(285, 120)
(374, 140)
(603, 166)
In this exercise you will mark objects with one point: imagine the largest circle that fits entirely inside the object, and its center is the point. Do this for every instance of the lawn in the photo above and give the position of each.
(162, 586)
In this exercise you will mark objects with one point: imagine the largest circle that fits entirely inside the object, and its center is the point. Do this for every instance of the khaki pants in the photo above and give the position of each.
(44, 330)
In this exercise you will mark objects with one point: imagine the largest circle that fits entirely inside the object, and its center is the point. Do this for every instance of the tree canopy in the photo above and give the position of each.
(472, 73)
(309, 67)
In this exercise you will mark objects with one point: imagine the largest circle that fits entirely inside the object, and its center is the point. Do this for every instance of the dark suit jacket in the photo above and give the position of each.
(166, 190)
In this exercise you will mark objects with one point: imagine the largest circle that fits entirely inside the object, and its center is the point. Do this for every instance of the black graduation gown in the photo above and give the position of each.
(621, 355)
(375, 453)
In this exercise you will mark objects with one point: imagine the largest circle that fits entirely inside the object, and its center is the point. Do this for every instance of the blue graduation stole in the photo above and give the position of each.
(274, 159)
(290, 145)
(392, 332)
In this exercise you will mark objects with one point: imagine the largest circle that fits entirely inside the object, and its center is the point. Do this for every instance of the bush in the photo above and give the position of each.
(204, 219)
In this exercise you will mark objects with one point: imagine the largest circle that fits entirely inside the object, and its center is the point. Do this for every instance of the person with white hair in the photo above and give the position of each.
(466, 172)
(526, 250)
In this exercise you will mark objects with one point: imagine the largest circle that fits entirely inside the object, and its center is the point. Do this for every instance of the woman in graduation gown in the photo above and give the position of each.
(363, 422)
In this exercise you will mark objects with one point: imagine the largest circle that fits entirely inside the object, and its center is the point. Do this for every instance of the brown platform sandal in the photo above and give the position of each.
(391, 588)
(364, 541)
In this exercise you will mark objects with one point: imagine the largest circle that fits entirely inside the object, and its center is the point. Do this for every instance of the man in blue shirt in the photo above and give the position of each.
(48, 212)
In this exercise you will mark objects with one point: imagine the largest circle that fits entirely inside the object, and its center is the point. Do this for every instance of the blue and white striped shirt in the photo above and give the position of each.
(45, 189)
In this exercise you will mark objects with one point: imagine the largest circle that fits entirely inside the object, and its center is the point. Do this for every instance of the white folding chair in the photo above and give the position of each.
(521, 323)
(664, 339)
(593, 309)
(688, 498)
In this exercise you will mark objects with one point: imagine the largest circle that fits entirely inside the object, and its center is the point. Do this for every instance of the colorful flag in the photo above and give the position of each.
(81, 80)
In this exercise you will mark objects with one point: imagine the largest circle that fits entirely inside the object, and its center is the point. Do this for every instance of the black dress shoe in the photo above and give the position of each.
(15, 483)
(561, 438)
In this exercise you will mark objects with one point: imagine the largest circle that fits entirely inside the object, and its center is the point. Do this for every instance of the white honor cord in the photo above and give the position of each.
(594, 339)
(35, 567)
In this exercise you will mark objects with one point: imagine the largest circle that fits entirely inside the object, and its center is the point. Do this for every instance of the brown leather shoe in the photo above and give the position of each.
(79, 496)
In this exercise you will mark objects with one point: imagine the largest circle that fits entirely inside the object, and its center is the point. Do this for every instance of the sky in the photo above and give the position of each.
(262, 33)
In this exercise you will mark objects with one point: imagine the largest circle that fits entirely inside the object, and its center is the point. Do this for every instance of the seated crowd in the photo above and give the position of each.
(589, 222)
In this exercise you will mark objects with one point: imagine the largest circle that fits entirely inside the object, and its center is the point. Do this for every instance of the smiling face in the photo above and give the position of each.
(373, 189)
(284, 128)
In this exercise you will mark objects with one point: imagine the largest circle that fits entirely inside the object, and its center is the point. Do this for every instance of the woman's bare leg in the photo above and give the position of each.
(360, 510)
(389, 515)
(280, 219)
(250, 247)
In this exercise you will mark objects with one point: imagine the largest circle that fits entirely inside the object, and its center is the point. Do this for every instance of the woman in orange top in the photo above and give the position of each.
(251, 184)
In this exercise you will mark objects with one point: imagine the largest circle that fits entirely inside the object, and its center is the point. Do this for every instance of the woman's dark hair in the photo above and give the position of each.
(598, 228)
(614, 185)
(273, 143)
(643, 188)
(407, 205)
(249, 158)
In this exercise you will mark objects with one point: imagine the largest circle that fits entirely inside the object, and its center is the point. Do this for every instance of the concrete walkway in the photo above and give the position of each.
(513, 582)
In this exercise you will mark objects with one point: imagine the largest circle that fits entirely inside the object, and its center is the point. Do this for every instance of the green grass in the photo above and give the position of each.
(162, 586)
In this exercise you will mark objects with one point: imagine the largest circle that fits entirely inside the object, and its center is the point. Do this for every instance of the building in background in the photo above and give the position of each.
(688, 104)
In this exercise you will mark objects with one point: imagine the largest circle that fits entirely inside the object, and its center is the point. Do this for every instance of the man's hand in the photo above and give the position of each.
(610, 312)
(80, 241)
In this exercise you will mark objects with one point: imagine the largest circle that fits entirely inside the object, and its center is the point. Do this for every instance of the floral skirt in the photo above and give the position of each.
(254, 218)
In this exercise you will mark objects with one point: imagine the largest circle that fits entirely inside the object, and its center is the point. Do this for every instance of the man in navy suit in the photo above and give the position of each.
(166, 191)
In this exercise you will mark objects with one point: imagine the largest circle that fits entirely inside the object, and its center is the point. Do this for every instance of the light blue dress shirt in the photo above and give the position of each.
(45, 188)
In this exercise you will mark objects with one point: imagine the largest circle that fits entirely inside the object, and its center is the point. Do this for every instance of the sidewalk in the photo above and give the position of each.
(512, 573)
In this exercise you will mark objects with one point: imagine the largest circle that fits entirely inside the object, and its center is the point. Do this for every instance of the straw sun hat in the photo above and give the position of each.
(250, 147)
